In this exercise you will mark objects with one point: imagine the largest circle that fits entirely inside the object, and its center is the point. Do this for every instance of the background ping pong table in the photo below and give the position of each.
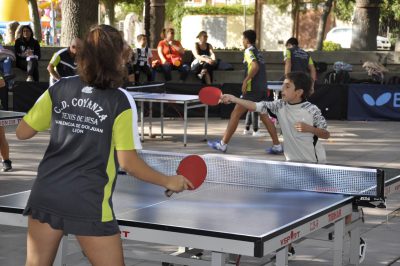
(188, 102)
(246, 206)
(9, 118)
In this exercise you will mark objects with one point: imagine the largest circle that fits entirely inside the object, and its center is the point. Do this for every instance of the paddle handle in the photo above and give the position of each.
(168, 193)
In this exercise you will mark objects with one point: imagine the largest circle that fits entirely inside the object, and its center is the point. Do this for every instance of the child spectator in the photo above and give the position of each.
(143, 59)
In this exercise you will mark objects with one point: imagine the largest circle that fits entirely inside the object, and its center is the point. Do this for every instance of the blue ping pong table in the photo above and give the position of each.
(9, 118)
(188, 102)
(246, 207)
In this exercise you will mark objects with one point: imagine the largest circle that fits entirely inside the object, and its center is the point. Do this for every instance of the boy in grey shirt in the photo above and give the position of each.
(301, 121)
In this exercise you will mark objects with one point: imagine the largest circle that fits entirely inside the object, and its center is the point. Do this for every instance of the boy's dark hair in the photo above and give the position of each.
(301, 81)
(293, 41)
(140, 37)
(250, 35)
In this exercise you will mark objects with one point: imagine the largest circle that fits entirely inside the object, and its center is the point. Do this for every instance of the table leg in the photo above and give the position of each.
(217, 259)
(61, 256)
(162, 119)
(184, 123)
(142, 120)
(338, 242)
(355, 246)
(150, 119)
(282, 257)
(205, 121)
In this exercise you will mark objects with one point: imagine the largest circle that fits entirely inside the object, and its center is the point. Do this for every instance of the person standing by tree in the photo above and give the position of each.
(296, 59)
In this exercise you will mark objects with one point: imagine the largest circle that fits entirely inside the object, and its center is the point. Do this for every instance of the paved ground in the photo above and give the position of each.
(373, 144)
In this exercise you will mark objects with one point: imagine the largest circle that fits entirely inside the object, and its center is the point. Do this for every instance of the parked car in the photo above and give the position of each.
(343, 35)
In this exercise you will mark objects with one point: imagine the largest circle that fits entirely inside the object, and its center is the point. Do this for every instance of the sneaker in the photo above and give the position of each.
(363, 249)
(258, 133)
(275, 149)
(247, 132)
(6, 166)
(291, 252)
(216, 145)
(29, 79)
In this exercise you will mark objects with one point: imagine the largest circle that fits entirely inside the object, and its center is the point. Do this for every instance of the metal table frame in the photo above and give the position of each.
(188, 101)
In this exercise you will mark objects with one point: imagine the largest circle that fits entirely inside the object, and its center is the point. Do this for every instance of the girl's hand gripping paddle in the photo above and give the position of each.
(194, 169)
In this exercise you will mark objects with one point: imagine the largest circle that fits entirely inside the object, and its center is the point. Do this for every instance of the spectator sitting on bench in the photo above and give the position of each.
(4, 148)
(143, 59)
(63, 64)
(27, 51)
(204, 62)
(170, 52)
(6, 58)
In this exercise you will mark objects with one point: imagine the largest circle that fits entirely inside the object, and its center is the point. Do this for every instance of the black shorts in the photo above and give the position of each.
(74, 226)
(255, 96)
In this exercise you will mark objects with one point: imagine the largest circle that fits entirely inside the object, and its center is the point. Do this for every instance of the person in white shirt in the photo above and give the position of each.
(301, 121)
(142, 60)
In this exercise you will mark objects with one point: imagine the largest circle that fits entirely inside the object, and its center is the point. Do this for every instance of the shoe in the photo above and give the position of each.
(247, 132)
(216, 145)
(258, 133)
(6, 166)
(200, 76)
(29, 79)
(363, 249)
(275, 150)
(291, 252)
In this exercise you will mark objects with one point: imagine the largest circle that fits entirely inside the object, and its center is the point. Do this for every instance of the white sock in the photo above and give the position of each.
(222, 143)
(279, 146)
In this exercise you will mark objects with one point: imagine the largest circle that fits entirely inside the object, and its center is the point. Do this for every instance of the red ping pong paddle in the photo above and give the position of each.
(210, 95)
(194, 169)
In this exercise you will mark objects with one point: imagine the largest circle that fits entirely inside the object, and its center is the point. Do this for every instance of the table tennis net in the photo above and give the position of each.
(276, 175)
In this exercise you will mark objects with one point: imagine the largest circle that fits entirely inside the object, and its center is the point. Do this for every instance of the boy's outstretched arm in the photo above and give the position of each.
(228, 98)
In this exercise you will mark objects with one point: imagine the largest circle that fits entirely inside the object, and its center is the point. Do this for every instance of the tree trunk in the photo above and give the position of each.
(78, 17)
(147, 20)
(110, 12)
(322, 23)
(157, 18)
(365, 25)
(295, 17)
(257, 21)
(34, 14)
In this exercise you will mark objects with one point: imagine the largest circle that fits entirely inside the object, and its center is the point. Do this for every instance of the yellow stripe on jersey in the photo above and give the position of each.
(287, 54)
(249, 57)
(106, 213)
(39, 116)
(55, 60)
(124, 132)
